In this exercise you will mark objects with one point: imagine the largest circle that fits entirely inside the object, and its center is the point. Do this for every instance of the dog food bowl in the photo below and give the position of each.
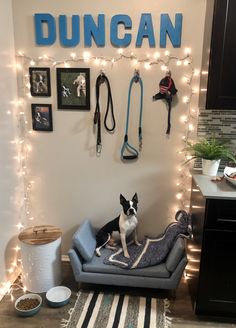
(231, 177)
(28, 305)
(58, 296)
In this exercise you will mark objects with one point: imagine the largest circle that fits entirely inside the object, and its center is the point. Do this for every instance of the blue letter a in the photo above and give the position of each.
(39, 20)
(145, 31)
(174, 33)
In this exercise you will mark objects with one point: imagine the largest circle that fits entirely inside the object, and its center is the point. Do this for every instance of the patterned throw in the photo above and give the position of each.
(107, 310)
(153, 251)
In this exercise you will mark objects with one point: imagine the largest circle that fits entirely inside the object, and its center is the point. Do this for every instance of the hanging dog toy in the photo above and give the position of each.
(97, 114)
(126, 147)
(166, 91)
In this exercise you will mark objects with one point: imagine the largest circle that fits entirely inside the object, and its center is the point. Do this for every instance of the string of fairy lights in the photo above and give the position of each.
(25, 132)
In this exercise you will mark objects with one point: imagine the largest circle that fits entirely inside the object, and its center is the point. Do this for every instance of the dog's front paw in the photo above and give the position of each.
(137, 243)
(127, 255)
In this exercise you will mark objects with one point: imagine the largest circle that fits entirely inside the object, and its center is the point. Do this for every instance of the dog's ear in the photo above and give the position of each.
(122, 199)
(135, 198)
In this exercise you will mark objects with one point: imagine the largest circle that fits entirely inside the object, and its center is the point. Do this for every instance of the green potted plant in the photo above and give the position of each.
(211, 151)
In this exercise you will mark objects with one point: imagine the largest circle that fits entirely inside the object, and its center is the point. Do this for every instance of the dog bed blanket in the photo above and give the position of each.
(153, 251)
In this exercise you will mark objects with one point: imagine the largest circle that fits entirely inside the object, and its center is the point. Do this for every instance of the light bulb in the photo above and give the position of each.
(186, 79)
(86, 56)
(187, 51)
(147, 66)
(97, 61)
(179, 196)
(164, 68)
(185, 99)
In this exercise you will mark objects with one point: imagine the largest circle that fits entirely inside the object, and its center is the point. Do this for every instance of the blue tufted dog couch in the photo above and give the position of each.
(88, 268)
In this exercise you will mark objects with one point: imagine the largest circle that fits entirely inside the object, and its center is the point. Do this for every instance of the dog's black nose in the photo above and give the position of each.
(131, 211)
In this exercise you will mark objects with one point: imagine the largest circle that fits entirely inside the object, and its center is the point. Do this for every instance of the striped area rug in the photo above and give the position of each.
(106, 310)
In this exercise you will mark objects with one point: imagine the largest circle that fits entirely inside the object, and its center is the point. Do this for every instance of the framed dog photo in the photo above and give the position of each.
(73, 88)
(42, 117)
(40, 85)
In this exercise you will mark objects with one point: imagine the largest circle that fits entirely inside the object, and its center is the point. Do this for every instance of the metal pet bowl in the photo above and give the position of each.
(30, 312)
(58, 296)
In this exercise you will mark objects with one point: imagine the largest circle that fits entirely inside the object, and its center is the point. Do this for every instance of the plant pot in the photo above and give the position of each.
(210, 167)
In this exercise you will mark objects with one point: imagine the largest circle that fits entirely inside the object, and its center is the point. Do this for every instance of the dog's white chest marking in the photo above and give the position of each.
(128, 225)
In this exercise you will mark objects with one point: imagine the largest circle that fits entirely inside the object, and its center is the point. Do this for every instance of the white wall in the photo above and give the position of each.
(71, 182)
(10, 184)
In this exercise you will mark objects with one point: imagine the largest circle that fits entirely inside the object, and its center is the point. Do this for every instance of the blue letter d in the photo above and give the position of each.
(39, 20)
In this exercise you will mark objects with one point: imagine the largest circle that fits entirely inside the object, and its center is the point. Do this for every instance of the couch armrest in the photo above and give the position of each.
(76, 263)
(85, 241)
(176, 254)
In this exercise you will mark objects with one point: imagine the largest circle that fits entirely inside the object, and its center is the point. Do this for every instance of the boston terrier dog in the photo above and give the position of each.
(125, 224)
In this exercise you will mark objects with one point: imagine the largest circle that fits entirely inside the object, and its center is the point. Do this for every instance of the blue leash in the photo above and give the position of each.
(126, 147)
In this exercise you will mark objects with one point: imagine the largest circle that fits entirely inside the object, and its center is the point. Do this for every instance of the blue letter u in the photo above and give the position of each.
(75, 38)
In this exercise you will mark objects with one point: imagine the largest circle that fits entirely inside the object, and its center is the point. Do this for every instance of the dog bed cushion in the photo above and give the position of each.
(84, 240)
(153, 251)
(97, 265)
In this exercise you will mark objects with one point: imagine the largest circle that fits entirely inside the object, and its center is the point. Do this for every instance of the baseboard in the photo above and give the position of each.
(65, 258)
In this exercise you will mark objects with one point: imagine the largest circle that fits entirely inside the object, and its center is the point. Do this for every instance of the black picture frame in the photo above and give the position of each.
(42, 117)
(40, 84)
(73, 88)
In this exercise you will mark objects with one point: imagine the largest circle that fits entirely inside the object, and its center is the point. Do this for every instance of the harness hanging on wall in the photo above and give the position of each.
(133, 153)
(102, 78)
(167, 89)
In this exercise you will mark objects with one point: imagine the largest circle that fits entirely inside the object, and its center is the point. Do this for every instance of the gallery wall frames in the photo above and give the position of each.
(40, 85)
(42, 117)
(73, 88)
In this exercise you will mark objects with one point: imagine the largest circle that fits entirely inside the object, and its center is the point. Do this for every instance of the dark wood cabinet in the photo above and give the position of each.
(212, 255)
(221, 90)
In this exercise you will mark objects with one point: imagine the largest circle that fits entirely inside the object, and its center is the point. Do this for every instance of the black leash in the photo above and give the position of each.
(97, 115)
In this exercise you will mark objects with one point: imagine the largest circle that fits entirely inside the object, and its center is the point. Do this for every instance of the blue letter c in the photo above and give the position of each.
(115, 40)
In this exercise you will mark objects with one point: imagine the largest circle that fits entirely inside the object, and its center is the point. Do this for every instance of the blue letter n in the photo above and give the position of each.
(91, 30)
(174, 33)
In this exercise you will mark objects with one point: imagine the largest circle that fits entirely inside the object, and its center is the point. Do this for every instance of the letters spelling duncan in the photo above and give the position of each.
(120, 30)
